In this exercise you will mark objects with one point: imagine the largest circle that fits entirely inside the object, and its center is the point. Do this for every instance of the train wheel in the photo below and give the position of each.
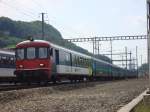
(28, 83)
(46, 83)
(71, 80)
(15, 82)
(54, 81)
(75, 81)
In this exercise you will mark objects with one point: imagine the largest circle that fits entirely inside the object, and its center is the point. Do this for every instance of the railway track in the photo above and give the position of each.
(17, 87)
(9, 87)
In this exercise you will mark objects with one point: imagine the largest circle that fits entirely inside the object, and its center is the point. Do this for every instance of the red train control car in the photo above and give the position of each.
(33, 60)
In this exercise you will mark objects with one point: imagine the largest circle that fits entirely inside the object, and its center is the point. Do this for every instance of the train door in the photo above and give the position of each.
(94, 67)
(56, 62)
(71, 60)
(52, 55)
(57, 57)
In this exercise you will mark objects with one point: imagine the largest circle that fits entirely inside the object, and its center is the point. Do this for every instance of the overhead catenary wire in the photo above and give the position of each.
(29, 10)
(39, 5)
(18, 10)
(50, 20)
(53, 19)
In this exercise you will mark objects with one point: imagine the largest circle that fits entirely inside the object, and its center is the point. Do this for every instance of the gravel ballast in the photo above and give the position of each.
(81, 97)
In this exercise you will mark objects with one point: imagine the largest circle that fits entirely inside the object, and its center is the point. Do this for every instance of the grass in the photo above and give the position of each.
(141, 107)
(11, 46)
(9, 41)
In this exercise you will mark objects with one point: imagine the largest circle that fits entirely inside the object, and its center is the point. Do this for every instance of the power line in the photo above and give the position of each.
(38, 5)
(70, 29)
(47, 19)
(18, 10)
(31, 11)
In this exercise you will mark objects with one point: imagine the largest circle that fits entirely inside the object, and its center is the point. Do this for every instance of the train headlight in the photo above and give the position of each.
(41, 65)
(20, 66)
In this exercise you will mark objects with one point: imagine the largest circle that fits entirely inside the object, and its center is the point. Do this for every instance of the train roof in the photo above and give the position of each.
(68, 50)
(29, 42)
(53, 45)
(105, 62)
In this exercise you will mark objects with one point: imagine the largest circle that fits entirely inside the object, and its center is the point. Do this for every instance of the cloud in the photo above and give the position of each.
(136, 20)
(138, 23)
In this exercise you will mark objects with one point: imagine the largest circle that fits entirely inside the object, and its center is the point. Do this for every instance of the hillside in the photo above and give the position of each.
(22, 29)
(12, 32)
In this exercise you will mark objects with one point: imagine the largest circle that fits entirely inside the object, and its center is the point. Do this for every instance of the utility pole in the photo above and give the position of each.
(141, 66)
(93, 46)
(137, 59)
(98, 47)
(126, 56)
(126, 60)
(122, 62)
(43, 35)
(141, 60)
(130, 67)
(111, 51)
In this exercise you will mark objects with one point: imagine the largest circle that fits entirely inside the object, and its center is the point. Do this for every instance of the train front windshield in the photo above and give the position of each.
(31, 53)
(43, 53)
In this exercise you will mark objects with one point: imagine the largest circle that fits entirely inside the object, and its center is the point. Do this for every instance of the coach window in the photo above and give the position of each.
(74, 62)
(20, 54)
(30, 53)
(43, 52)
(12, 60)
(77, 61)
(81, 62)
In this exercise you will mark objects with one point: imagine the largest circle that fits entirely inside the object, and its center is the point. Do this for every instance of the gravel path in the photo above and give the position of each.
(83, 97)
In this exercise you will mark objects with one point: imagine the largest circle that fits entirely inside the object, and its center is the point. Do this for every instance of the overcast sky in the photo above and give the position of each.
(86, 18)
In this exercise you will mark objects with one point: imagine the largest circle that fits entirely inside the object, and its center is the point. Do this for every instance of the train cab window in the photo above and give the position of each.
(30, 53)
(20, 54)
(43, 52)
